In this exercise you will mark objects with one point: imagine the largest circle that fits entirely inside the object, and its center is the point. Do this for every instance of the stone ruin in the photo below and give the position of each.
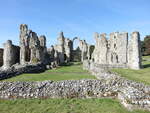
(32, 50)
(11, 55)
(117, 51)
(83, 51)
(64, 48)
(32, 47)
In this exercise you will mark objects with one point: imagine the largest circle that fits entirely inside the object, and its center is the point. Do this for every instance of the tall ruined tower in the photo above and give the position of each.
(24, 43)
(11, 55)
(60, 47)
(32, 47)
(134, 51)
(43, 48)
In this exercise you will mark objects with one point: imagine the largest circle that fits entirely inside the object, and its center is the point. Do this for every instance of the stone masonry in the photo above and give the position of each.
(11, 55)
(32, 47)
(132, 95)
(64, 48)
(32, 50)
(118, 50)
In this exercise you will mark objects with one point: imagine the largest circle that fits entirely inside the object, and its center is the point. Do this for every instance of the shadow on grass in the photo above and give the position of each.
(14, 74)
(146, 66)
(70, 64)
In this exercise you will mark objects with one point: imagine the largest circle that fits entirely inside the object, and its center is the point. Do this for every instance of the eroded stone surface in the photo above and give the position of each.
(118, 50)
(11, 55)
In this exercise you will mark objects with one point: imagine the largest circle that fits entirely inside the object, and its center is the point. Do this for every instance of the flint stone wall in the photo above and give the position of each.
(1, 57)
(131, 94)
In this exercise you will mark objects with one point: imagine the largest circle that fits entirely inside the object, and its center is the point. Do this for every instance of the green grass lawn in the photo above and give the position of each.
(71, 105)
(72, 72)
(142, 75)
(63, 106)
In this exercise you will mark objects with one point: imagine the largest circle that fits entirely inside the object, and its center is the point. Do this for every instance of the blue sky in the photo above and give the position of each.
(74, 17)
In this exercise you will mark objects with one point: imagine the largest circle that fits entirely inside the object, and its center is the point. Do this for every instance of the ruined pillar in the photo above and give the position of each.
(81, 47)
(134, 51)
(42, 40)
(34, 46)
(122, 48)
(67, 47)
(10, 56)
(112, 48)
(95, 54)
(60, 47)
(100, 52)
(51, 52)
(24, 40)
(43, 49)
(103, 49)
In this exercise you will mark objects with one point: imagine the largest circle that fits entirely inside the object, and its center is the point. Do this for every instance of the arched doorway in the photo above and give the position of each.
(76, 54)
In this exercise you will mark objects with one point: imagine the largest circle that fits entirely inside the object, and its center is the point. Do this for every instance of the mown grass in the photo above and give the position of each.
(142, 75)
(63, 106)
(71, 72)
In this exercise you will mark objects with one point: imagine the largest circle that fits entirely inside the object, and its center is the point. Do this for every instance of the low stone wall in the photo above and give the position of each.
(88, 63)
(60, 89)
(20, 69)
(131, 94)
(1, 57)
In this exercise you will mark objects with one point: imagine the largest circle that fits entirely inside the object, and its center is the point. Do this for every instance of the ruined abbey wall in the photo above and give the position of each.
(118, 50)
(64, 48)
(115, 51)
(32, 47)
(32, 50)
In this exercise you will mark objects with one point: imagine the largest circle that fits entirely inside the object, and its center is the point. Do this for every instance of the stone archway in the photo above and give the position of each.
(76, 53)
